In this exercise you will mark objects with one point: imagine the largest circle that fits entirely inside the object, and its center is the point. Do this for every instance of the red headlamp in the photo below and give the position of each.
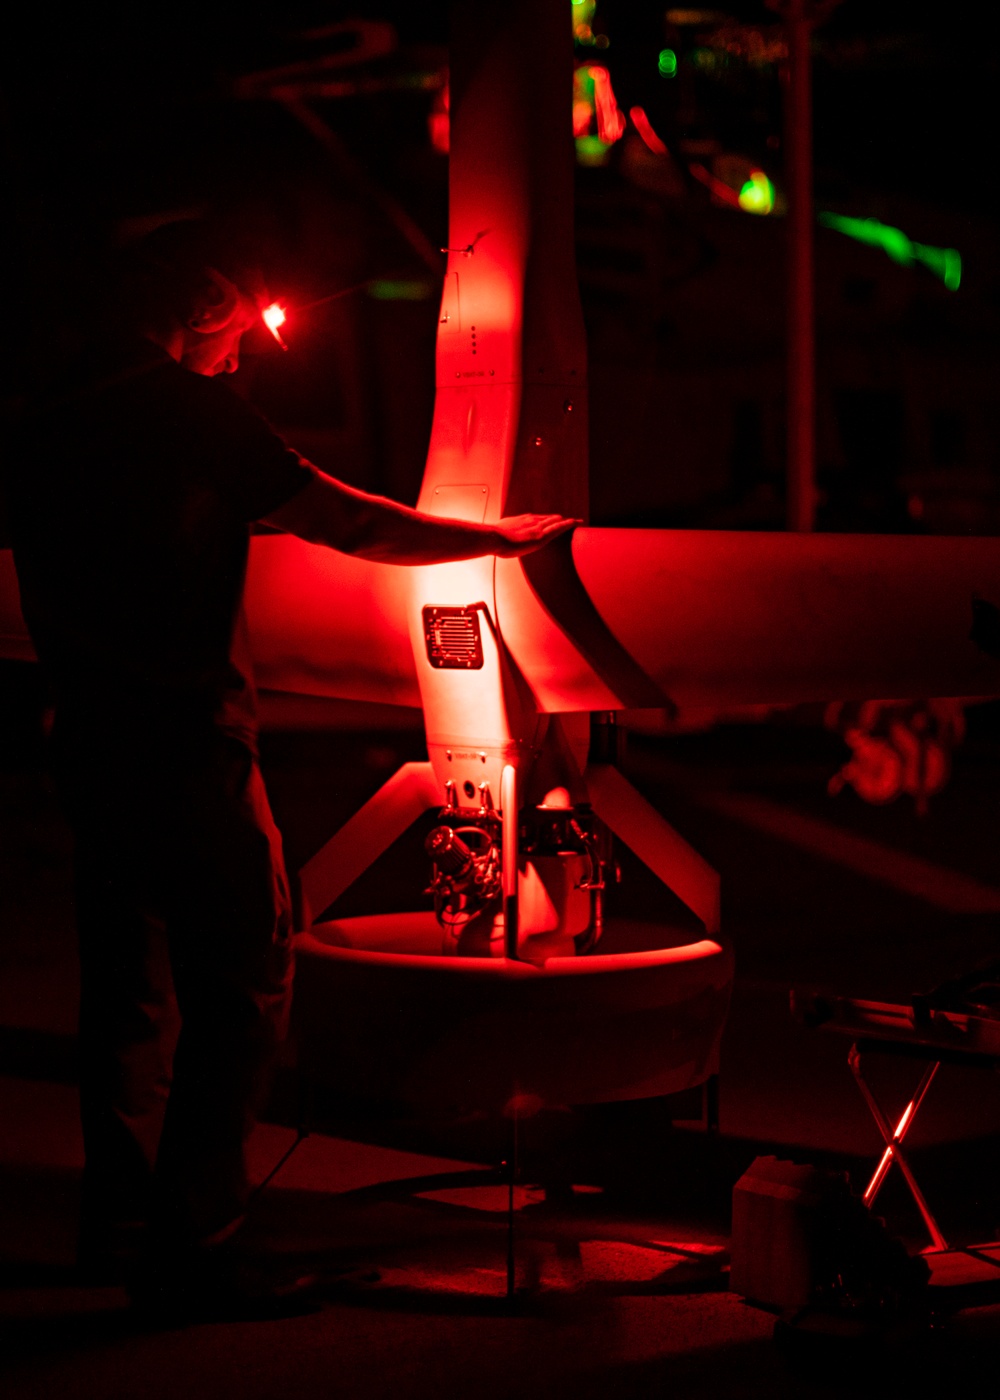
(273, 317)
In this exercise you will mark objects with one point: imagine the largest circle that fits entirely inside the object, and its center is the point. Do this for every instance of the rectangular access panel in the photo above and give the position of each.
(454, 641)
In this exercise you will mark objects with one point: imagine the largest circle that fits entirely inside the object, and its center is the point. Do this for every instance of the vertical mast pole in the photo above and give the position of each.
(801, 370)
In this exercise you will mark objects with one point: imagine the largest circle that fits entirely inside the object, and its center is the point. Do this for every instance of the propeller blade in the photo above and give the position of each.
(623, 619)
(718, 618)
(323, 623)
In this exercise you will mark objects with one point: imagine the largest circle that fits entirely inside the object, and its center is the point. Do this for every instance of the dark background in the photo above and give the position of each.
(111, 124)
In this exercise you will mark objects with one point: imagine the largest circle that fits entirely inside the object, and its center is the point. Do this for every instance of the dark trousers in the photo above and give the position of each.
(185, 924)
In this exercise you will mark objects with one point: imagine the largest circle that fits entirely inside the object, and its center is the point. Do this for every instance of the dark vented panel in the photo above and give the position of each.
(453, 638)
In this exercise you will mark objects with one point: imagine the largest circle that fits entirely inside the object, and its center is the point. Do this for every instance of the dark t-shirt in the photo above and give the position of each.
(131, 497)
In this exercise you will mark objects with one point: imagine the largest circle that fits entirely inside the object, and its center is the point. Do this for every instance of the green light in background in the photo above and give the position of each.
(385, 289)
(591, 150)
(757, 195)
(667, 63)
(706, 59)
(951, 272)
(945, 263)
(582, 15)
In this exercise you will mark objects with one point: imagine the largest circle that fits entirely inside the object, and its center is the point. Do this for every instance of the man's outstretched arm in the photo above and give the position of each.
(327, 512)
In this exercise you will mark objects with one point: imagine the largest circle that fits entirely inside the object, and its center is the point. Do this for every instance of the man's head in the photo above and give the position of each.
(211, 332)
(190, 288)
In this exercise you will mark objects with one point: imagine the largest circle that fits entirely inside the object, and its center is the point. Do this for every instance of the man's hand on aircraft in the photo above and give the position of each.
(521, 534)
(329, 512)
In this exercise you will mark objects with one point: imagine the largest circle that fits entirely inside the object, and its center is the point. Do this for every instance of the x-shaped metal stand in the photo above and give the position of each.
(893, 1137)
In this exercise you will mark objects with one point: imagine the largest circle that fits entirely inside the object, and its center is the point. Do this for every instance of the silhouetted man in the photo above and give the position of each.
(131, 501)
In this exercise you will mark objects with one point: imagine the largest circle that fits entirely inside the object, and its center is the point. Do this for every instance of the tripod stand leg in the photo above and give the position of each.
(373, 828)
(655, 842)
(893, 1138)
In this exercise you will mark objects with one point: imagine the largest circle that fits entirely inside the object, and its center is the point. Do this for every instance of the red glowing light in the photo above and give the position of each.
(901, 1126)
(717, 187)
(274, 316)
(610, 118)
(581, 118)
(439, 120)
(641, 123)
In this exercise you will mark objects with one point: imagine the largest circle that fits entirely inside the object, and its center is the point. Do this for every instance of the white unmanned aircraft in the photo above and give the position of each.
(515, 984)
